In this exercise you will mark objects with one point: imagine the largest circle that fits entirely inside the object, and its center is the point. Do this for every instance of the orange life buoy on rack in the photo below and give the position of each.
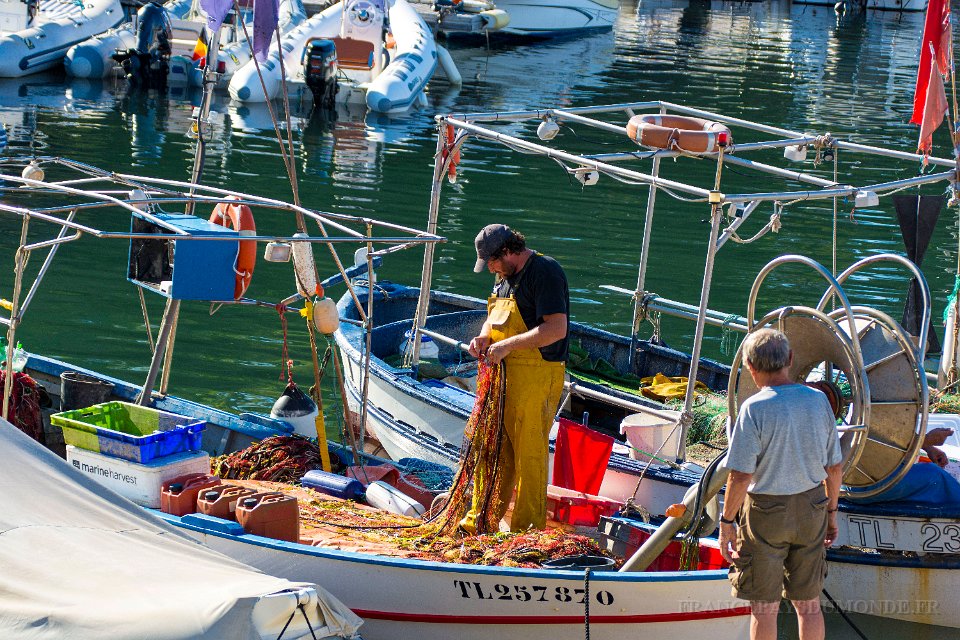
(240, 218)
(678, 132)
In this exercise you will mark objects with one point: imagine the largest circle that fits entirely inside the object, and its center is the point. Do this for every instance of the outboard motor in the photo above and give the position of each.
(147, 64)
(320, 71)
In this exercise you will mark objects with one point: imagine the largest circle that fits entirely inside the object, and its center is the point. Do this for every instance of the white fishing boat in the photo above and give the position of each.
(400, 598)
(884, 427)
(93, 58)
(387, 72)
(35, 35)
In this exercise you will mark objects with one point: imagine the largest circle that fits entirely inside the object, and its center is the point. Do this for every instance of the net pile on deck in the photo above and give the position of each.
(479, 457)
(277, 458)
(342, 524)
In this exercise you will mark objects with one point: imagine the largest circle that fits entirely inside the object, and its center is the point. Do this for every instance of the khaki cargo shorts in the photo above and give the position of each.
(780, 540)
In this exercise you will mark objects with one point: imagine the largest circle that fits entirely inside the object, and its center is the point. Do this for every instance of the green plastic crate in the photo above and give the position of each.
(129, 431)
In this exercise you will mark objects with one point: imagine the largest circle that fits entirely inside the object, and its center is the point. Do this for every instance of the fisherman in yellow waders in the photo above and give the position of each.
(526, 329)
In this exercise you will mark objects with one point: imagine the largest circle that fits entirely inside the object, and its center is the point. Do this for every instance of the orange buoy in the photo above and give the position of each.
(680, 133)
(675, 510)
(452, 167)
(240, 218)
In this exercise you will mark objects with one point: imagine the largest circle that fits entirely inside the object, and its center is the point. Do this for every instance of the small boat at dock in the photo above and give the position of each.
(37, 34)
(388, 74)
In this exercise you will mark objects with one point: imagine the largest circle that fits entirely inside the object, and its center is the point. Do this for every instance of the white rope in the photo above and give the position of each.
(775, 224)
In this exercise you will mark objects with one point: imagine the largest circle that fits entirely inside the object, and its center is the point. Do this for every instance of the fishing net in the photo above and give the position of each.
(435, 477)
(479, 458)
(529, 549)
(277, 458)
(24, 409)
(709, 417)
(345, 524)
(945, 403)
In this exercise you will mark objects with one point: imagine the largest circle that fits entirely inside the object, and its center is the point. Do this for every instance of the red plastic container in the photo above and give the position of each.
(272, 515)
(178, 496)
(575, 508)
(221, 501)
(669, 559)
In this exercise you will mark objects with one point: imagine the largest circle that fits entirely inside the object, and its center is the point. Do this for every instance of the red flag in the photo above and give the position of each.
(938, 15)
(935, 107)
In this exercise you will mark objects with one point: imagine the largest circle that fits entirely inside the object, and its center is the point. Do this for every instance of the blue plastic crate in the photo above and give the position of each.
(129, 431)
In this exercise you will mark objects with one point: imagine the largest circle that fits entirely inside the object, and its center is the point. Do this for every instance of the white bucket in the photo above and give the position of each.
(649, 433)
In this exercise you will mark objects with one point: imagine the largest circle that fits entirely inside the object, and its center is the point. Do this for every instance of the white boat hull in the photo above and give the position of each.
(57, 27)
(414, 600)
(540, 18)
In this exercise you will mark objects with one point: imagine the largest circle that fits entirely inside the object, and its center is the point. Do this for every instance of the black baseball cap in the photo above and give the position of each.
(489, 242)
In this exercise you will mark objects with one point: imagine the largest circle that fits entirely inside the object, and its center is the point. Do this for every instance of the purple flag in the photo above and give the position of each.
(265, 15)
(216, 10)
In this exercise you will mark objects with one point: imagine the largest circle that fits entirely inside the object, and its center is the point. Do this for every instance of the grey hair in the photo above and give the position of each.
(767, 350)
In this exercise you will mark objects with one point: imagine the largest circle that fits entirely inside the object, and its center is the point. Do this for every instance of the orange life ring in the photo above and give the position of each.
(678, 132)
(240, 218)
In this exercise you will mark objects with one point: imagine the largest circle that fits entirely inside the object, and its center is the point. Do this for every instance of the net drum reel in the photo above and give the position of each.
(899, 396)
(883, 419)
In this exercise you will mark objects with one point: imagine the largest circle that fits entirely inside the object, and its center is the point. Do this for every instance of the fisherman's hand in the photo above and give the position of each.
(937, 456)
(936, 437)
(832, 530)
(497, 352)
(728, 542)
(479, 345)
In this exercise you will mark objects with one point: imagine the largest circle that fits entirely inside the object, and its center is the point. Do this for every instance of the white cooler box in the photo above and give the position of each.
(140, 483)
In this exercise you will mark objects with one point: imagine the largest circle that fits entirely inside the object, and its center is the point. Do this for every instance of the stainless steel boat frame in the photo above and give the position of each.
(455, 129)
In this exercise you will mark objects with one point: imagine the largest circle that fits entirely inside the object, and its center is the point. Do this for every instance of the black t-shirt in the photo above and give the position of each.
(541, 289)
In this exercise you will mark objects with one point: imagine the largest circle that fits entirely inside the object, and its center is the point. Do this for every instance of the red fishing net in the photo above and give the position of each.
(479, 457)
(24, 411)
(277, 458)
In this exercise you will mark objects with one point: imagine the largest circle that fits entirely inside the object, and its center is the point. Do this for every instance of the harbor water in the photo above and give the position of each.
(795, 66)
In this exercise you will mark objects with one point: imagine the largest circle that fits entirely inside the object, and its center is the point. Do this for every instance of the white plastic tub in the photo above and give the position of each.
(140, 483)
(648, 433)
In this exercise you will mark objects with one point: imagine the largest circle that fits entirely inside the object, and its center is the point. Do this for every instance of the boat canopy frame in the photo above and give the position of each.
(453, 130)
(90, 189)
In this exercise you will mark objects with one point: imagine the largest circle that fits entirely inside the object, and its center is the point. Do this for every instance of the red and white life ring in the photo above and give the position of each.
(240, 218)
(681, 133)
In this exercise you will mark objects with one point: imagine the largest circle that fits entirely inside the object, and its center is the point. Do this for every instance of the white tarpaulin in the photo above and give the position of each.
(78, 561)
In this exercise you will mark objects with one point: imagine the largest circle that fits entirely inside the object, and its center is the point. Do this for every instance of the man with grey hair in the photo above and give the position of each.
(780, 506)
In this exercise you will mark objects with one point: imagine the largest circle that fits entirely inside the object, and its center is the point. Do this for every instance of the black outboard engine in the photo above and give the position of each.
(147, 64)
(320, 71)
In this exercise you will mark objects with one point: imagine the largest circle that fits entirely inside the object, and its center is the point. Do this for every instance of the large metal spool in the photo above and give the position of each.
(882, 419)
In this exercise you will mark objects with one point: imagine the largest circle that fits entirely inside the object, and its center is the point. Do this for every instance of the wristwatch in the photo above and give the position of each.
(725, 521)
